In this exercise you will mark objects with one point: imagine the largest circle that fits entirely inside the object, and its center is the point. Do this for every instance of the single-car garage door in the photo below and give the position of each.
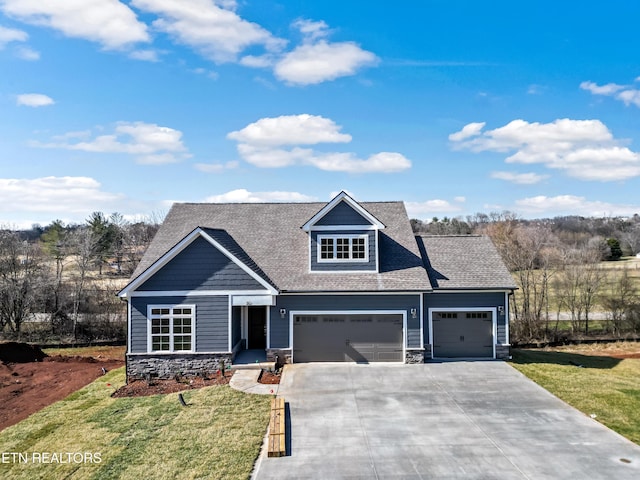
(347, 338)
(462, 334)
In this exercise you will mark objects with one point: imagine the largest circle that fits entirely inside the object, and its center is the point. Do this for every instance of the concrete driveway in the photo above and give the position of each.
(463, 420)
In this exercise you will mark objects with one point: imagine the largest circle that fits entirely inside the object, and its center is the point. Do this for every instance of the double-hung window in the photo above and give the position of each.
(342, 248)
(171, 328)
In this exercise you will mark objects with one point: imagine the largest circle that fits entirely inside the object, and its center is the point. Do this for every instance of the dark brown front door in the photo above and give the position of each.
(257, 337)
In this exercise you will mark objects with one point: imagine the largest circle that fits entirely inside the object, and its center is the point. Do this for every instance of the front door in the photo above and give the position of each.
(257, 323)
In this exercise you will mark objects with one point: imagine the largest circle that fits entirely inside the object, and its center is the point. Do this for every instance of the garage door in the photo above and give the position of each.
(462, 334)
(347, 338)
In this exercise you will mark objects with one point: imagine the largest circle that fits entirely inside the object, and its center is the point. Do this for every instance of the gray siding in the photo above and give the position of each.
(369, 265)
(279, 327)
(343, 214)
(212, 321)
(200, 266)
(466, 300)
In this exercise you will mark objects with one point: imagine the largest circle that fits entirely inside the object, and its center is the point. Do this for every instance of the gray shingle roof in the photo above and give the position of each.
(464, 262)
(268, 238)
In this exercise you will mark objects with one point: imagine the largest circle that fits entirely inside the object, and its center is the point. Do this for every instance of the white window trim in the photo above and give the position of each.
(171, 334)
(335, 237)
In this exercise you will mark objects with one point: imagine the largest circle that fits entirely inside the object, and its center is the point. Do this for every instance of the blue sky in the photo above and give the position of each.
(455, 107)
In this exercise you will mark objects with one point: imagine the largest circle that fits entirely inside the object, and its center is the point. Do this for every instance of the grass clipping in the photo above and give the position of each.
(217, 436)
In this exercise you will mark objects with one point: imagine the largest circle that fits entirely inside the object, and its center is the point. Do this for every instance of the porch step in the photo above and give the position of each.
(253, 366)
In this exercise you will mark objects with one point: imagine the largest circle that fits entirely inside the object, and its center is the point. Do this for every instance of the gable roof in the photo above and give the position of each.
(464, 262)
(338, 199)
(274, 245)
(218, 240)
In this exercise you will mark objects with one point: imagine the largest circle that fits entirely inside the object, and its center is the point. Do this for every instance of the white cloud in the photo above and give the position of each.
(608, 89)
(629, 97)
(430, 207)
(107, 22)
(279, 141)
(310, 29)
(244, 196)
(470, 130)
(571, 205)
(291, 130)
(624, 93)
(383, 162)
(151, 144)
(584, 149)
(519, 178)
(316, 60)
(147, 55)
(53, 195)
(212, 28)
(216, 167)
(322, 61)
(34, 100)
(27, 53)
(8, 35)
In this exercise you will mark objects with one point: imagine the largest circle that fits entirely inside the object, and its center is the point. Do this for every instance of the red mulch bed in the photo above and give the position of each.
(269, 378)
(30, 380)
(143, 388)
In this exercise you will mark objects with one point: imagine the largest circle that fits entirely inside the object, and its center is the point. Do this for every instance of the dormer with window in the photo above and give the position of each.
(343, 237)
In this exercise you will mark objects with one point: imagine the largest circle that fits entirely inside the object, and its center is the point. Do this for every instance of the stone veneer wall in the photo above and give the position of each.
(283, 353)
(414, 356)
(503, 352)
(170, 365)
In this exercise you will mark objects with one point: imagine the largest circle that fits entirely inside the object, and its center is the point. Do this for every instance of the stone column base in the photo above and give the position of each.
(503, 352)
(414, 356)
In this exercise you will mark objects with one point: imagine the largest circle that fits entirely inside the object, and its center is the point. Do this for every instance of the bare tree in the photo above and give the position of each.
(83, 244)
(621, 302)
(529, 253)
(579, 283)
(22, 279)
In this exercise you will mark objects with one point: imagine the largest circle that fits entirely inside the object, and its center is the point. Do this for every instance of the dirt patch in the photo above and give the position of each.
(142, 388)
(269, 378)
(28, 386)
(15, 352)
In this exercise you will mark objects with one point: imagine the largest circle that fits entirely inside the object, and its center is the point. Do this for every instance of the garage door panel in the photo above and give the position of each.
(462, 334)
(348, 338)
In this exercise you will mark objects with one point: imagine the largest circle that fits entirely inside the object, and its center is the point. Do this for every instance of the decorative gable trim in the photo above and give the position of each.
(342, 196)
(179, 247)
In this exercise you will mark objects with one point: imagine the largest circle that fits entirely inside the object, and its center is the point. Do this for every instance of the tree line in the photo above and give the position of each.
(558, 266)
(60, 281)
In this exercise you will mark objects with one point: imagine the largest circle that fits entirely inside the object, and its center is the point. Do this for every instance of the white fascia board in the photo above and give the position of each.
(352, 203)
(342, 228)
(179, 247)
(196, 293)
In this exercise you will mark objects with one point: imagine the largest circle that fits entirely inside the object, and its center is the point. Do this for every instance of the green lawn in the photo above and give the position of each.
(217, 436)
(594, 384)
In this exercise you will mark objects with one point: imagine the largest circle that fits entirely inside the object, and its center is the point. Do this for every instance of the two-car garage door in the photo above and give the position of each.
(347, 338)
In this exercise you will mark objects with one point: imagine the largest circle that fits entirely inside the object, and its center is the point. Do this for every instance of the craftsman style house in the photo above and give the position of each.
(311, 282)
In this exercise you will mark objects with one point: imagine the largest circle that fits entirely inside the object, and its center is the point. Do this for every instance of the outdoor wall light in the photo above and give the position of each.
(501, 310)
(414, 313)
(283, 312)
